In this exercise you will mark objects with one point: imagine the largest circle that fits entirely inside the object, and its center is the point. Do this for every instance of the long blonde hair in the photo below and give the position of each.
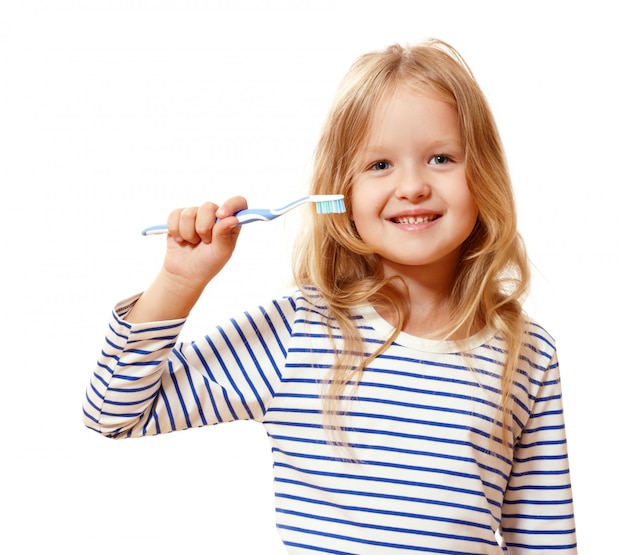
(493, 270)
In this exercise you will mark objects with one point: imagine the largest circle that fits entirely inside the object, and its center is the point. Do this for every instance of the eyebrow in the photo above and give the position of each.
(434, 145)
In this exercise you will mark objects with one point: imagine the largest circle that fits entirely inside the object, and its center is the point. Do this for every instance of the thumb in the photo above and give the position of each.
(224, 237)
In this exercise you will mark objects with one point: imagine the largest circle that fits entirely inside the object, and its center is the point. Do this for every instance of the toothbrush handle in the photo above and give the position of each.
(155, 230)
(255, 215)
(244, 216)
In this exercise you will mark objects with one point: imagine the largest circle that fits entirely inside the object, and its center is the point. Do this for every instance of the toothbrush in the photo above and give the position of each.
(324, 204)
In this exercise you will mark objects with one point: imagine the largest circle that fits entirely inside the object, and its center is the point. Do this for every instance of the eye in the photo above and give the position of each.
(439, 159)
(381, 165)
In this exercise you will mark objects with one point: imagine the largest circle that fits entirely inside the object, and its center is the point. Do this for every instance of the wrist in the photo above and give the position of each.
(169, 297)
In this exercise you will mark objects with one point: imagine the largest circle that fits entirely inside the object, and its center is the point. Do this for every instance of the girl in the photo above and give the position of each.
(410, 404)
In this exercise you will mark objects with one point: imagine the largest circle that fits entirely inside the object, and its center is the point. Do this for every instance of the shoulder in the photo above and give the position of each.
(538, 355)
(309, 297)
(538, 350)
(296, 303)
(537, 337)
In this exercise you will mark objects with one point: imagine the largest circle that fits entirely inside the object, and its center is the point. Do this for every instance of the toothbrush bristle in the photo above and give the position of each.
(330, 206)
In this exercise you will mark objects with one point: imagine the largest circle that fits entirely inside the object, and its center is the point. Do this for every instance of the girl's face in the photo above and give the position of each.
(410, 199)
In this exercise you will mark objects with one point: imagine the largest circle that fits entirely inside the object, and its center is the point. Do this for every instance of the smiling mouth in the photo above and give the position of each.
(413, 220)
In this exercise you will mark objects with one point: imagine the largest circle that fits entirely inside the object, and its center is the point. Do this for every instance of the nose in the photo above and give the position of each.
(413, 184)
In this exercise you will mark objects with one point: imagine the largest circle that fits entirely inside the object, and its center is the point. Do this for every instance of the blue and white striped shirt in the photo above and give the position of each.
(427, 479)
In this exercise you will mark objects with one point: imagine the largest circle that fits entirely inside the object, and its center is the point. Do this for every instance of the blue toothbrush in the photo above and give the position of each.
(324, 204)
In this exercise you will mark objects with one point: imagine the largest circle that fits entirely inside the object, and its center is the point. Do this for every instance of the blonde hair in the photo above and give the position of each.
(493, 271)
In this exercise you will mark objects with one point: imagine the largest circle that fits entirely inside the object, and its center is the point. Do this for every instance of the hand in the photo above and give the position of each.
(200, 241)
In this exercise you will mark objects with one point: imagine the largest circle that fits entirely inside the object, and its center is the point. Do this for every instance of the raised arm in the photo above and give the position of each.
(200, 242)
(143, 382)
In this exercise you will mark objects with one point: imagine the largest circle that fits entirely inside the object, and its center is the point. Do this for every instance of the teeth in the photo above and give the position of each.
(415, 219)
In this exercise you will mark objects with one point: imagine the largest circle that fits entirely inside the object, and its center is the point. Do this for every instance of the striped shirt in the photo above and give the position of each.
(426, 477)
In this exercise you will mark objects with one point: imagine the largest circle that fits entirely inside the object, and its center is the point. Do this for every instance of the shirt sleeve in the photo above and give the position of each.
(146, 382)
(538, 513)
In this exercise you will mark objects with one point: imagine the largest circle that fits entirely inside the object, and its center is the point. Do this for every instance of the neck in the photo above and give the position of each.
(429, 301)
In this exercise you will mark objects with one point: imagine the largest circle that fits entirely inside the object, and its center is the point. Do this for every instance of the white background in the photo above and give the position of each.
(114, 112)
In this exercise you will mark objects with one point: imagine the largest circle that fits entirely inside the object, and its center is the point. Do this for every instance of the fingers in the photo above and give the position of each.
(181, 225)
(198, 223)
(205, 220)
(232, 205)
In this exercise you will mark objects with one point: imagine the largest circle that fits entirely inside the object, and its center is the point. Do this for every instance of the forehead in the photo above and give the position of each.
(406, 111)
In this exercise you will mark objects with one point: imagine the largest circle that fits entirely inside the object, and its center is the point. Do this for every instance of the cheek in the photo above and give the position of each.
(366, 206)
(358, 203)
(466, 204)
(471, 211)
(362, 221)
(367, 199)
(358, 218)
(465, 211)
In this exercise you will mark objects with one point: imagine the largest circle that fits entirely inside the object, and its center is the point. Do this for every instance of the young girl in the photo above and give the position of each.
(410, 404)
